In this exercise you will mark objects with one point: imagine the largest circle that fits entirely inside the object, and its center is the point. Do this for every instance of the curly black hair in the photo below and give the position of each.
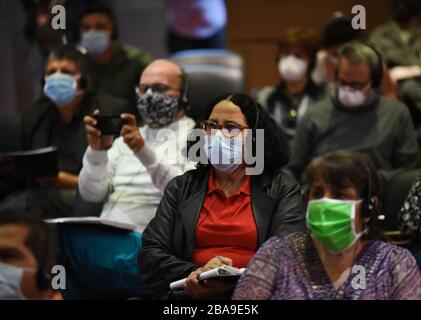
(276, 148)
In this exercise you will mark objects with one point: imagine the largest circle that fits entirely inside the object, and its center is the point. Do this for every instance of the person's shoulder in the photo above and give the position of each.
(136, 54)
(317, 91)
(188, 122)
(386, 101)
(194, 173)
(39, 104)
(41, 107)
(289, 239)
(263, 94)
(290, 244)
(416, 34)
(388, 105)
(189, 179)
(395, 258)
(392, 253)
(322, 108)
(325, 104)
(272, 246)
(284, 179)
(381, 30)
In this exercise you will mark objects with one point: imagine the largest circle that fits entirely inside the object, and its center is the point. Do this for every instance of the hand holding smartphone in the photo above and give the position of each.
(110, 124)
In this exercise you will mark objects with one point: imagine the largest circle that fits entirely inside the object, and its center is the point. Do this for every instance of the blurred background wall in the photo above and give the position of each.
(254, 28)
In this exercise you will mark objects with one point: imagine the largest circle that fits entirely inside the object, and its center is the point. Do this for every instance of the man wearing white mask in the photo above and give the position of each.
(296, 93)
(356, 116)
(338, 31)
(27, 254)
(115, 68)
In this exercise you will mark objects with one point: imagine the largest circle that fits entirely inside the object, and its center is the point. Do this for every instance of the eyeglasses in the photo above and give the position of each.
(229, 129)
(155, 88)
(354, 85)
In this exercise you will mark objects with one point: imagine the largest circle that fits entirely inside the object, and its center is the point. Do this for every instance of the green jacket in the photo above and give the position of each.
(395, 52)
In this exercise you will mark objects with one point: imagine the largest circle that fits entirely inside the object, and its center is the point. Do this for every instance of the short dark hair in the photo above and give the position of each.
(359, 52)
(276, 154)
(41, 241)
(338, 31)
(306, 39)
(69, 52)
(404, 10)
(346, 168)
(106, 10)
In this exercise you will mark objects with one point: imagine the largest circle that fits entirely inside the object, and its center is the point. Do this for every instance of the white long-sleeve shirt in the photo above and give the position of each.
(132, 184)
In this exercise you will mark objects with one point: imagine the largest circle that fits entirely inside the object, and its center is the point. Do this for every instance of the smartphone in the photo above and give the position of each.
(110, 124)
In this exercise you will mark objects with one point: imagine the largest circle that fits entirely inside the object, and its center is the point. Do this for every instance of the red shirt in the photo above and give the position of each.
(226, 226)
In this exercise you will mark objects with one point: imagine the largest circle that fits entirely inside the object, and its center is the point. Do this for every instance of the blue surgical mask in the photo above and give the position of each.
(61, 88)
(224, 153)
(10, 281)
(95, 41)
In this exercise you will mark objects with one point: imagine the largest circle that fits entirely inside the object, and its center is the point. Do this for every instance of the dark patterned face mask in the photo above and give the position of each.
(157, 110)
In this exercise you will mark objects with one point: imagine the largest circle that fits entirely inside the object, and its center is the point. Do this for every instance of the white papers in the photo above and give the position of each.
(221, 272)
(95, 220)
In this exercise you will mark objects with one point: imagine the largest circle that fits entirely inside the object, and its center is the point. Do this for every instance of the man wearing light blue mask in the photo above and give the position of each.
(56, 120)
(114, 68)
(61, 88)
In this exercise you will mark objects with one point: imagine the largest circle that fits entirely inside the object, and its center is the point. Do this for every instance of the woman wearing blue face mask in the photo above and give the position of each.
(339, 257)
(222, 212)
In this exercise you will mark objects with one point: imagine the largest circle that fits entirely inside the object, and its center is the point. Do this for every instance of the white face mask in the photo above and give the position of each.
(351, 98)
(10, 281)
(292, 68)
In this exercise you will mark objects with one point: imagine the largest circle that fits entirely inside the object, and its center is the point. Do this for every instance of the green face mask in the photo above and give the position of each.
(332, 222)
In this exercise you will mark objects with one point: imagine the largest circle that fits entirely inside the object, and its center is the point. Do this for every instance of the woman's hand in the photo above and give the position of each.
(210, 287)
(217, 262)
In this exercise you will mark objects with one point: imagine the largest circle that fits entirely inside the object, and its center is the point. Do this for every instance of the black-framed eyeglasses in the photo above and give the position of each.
(229, 129)
(155, 88)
